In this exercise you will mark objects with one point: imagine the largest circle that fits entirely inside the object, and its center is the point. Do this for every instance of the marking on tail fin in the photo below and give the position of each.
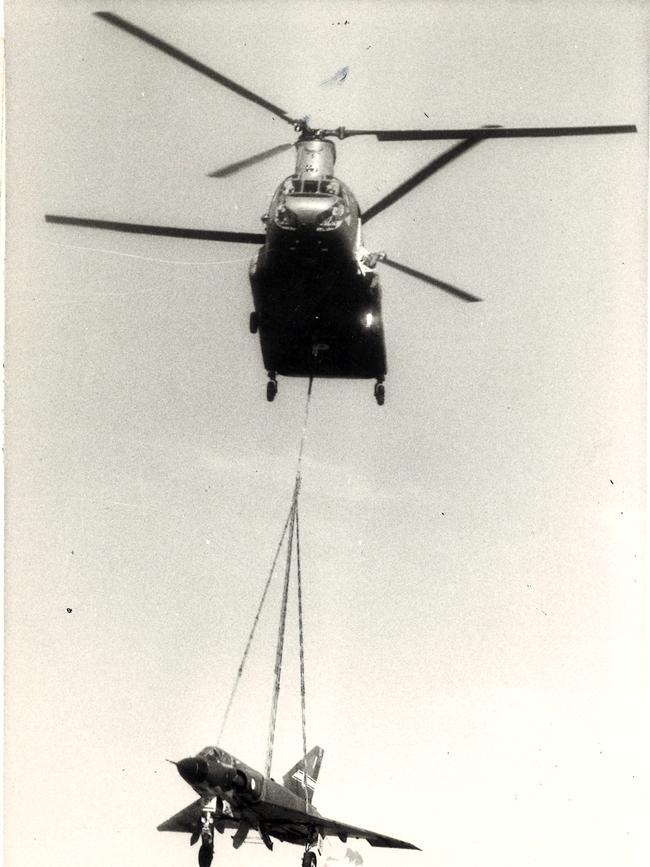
(300, 776)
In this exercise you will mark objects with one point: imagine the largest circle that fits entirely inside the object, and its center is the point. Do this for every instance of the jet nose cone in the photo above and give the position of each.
(193, 770)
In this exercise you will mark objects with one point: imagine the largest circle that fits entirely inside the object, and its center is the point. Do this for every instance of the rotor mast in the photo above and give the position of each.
(315, 154)
(315, 159)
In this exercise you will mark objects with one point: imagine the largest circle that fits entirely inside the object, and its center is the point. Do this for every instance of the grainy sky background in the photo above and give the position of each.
(473, 551)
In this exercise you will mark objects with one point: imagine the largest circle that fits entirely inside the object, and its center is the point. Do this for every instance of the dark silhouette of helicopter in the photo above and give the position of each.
(316, 293)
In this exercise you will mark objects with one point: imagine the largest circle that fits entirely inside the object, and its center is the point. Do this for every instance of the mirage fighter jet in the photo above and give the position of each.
(235, 796)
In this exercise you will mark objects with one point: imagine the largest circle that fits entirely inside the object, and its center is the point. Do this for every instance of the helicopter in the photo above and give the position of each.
(315, 288)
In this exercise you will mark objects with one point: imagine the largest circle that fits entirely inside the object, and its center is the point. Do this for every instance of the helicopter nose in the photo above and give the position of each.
(193, 771)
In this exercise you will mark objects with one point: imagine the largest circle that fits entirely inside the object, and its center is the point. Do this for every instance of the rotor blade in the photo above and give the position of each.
(169, 231)
(488, 132)
(177, 54)
(439, 284)
(250, 161)
(435, 165)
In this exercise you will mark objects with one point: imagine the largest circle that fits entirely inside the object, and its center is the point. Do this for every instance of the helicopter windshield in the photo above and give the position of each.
(305, 202)
(297, 187)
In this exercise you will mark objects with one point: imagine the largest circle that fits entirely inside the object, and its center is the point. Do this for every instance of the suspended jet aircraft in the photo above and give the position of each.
(235, 796)
(316, 294)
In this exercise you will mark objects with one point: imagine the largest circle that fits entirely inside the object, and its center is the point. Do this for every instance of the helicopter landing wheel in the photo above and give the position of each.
(309, 859)
(253, 323)
(380, 393)
(271, 390)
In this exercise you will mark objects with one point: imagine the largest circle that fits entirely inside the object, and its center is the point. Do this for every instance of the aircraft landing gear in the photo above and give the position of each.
(210, 806)
(206, 853)
(313, 853)
(380, 392)
(253, 323)
(271, 387)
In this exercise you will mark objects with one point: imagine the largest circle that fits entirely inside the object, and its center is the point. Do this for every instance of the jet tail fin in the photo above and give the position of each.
(303, 775)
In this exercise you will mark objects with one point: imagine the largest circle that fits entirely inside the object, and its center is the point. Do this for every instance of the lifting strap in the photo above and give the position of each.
(281, 630)
(302, 662)
(292, 526)
(240, 670)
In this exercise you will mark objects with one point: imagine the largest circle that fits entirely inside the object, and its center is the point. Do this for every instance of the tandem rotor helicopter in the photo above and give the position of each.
(316, 293)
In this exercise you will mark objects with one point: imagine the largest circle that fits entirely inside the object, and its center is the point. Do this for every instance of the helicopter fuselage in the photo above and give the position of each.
(316, 294)
(317, 304)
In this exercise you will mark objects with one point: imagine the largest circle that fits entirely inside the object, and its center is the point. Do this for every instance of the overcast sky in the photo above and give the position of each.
(472, 551)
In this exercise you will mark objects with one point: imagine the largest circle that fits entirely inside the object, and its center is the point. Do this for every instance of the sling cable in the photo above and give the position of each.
(290, 533)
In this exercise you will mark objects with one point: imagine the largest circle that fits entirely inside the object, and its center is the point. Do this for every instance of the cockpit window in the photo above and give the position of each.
(296, 187)
(215, 753)
(291, 185)
(330, 188)
(211, 752)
